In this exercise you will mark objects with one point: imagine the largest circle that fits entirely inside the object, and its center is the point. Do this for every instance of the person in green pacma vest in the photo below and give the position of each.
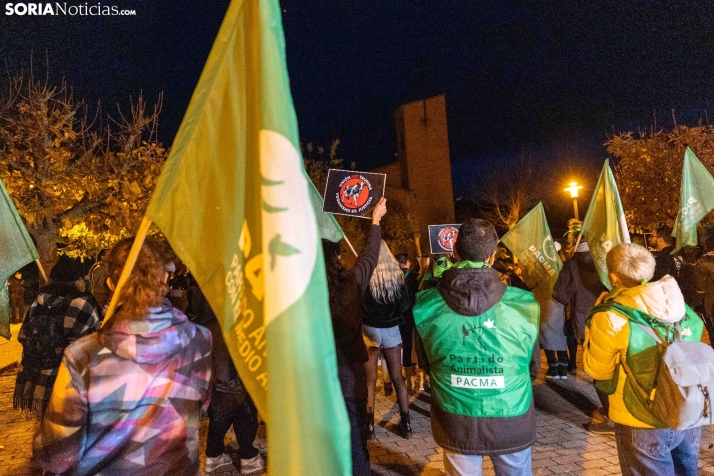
(479, 336)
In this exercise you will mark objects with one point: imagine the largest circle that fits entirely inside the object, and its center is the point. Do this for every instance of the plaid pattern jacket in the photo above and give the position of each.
(128, 400)
(39, 366)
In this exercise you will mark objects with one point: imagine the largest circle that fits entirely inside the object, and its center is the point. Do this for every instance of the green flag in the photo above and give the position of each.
(235, 203)
(604, 226)
(695, 202)
(16, 250)
(326, 223)
(530, 240)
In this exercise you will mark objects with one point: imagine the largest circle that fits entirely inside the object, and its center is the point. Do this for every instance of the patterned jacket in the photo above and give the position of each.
(128, 400)
(77, 315)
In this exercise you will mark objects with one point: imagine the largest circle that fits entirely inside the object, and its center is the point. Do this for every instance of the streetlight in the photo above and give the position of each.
(573, 189)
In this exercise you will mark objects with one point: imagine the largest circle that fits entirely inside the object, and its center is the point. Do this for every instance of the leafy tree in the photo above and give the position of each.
(649, 171)
(72, 179)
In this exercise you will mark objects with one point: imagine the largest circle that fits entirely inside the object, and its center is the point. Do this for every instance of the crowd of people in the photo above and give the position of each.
(126, 396)
(478, 324)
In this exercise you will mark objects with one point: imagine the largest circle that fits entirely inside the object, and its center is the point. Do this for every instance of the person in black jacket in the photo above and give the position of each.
(230, 403)
(407, 328)
(665, 262)
(383, 308)
(579, 285)
(346, 289)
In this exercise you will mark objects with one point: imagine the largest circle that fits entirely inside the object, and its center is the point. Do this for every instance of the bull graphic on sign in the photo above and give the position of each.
(447, 237)
(351, 193)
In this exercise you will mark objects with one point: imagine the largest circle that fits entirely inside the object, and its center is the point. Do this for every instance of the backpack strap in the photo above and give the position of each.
(631, 377)
(632, 316)
(650, 332)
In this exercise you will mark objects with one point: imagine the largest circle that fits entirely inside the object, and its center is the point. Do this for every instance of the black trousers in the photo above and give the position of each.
(353, 381)
(407, 332)
(225, 411)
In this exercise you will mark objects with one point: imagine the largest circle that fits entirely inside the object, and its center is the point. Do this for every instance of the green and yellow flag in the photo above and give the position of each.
(604, 226)
(326, 223)
(16, 250)
(532, 243)
(235, 203)
(696, 200)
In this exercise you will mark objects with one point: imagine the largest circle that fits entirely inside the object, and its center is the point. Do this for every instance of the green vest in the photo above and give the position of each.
(480, 364)
(644, 354)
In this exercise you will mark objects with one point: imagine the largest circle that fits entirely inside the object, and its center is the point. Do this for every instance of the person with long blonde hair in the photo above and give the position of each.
(383, 307)
(346, 288)
(127, 399)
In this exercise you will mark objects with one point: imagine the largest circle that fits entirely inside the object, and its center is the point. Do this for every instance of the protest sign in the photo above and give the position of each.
(353, 193)
(442, 238)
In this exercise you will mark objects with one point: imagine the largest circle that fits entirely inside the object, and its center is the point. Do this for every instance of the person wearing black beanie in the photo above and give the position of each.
(62, 313)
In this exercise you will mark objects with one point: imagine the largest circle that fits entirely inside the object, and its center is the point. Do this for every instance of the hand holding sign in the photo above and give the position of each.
(379, 211)
(353, 193)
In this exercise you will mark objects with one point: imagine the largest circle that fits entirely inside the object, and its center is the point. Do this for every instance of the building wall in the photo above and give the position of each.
(424, 162)
(394, 175)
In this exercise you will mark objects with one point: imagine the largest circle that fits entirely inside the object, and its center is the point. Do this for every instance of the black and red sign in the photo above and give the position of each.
(442, 238)
(353, 193)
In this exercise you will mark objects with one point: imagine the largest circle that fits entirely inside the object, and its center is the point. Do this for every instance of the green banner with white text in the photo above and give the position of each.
(604, 226)
(532, 243)
(695, 202)
(236, 205)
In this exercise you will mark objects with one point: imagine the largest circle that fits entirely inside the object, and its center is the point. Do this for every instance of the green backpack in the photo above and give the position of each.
(683, 372)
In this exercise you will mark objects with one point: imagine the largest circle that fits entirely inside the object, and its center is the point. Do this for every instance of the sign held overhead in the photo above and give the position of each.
(442, 238)
(353, 193)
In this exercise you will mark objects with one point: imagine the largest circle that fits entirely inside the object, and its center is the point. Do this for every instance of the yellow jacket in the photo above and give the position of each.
(608, 335)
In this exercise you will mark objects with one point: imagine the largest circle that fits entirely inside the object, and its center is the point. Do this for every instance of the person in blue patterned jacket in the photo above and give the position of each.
(127, 400)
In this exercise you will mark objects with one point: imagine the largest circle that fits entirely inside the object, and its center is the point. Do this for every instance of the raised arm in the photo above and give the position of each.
(417, 243)
(368, 257)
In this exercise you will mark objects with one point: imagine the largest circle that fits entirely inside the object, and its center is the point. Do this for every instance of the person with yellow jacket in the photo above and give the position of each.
(645, 445)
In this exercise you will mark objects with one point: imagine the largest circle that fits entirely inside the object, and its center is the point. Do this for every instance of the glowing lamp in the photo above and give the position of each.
(573, 189)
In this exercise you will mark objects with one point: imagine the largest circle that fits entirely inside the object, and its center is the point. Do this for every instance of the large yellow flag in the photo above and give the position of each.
(235, 204)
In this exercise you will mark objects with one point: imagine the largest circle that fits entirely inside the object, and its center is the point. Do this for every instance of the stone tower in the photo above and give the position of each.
(421, 179)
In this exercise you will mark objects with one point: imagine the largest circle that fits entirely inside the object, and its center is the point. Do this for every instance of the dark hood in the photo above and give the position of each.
(471, 291)
(584, 258)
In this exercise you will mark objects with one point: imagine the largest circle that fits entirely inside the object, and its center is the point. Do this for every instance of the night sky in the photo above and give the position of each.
(549, 80)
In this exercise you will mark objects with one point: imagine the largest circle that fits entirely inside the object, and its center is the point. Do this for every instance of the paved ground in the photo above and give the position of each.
(563, 445)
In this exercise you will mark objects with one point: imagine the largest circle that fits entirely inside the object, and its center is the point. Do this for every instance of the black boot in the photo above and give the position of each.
(370, 426)
(388, 389)
(405, 425)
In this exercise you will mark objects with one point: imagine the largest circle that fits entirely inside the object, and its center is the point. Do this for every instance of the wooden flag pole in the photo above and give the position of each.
(42, 271)
(575, 248)
(349, 244)
(128, 267)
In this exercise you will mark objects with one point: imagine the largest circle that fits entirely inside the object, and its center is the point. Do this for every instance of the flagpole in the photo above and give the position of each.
(575, 248)
(42, 271)
(128, 267)
(349, 244)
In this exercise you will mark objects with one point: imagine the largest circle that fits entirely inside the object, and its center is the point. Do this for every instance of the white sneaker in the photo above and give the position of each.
(219, 462)
(249, 466)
